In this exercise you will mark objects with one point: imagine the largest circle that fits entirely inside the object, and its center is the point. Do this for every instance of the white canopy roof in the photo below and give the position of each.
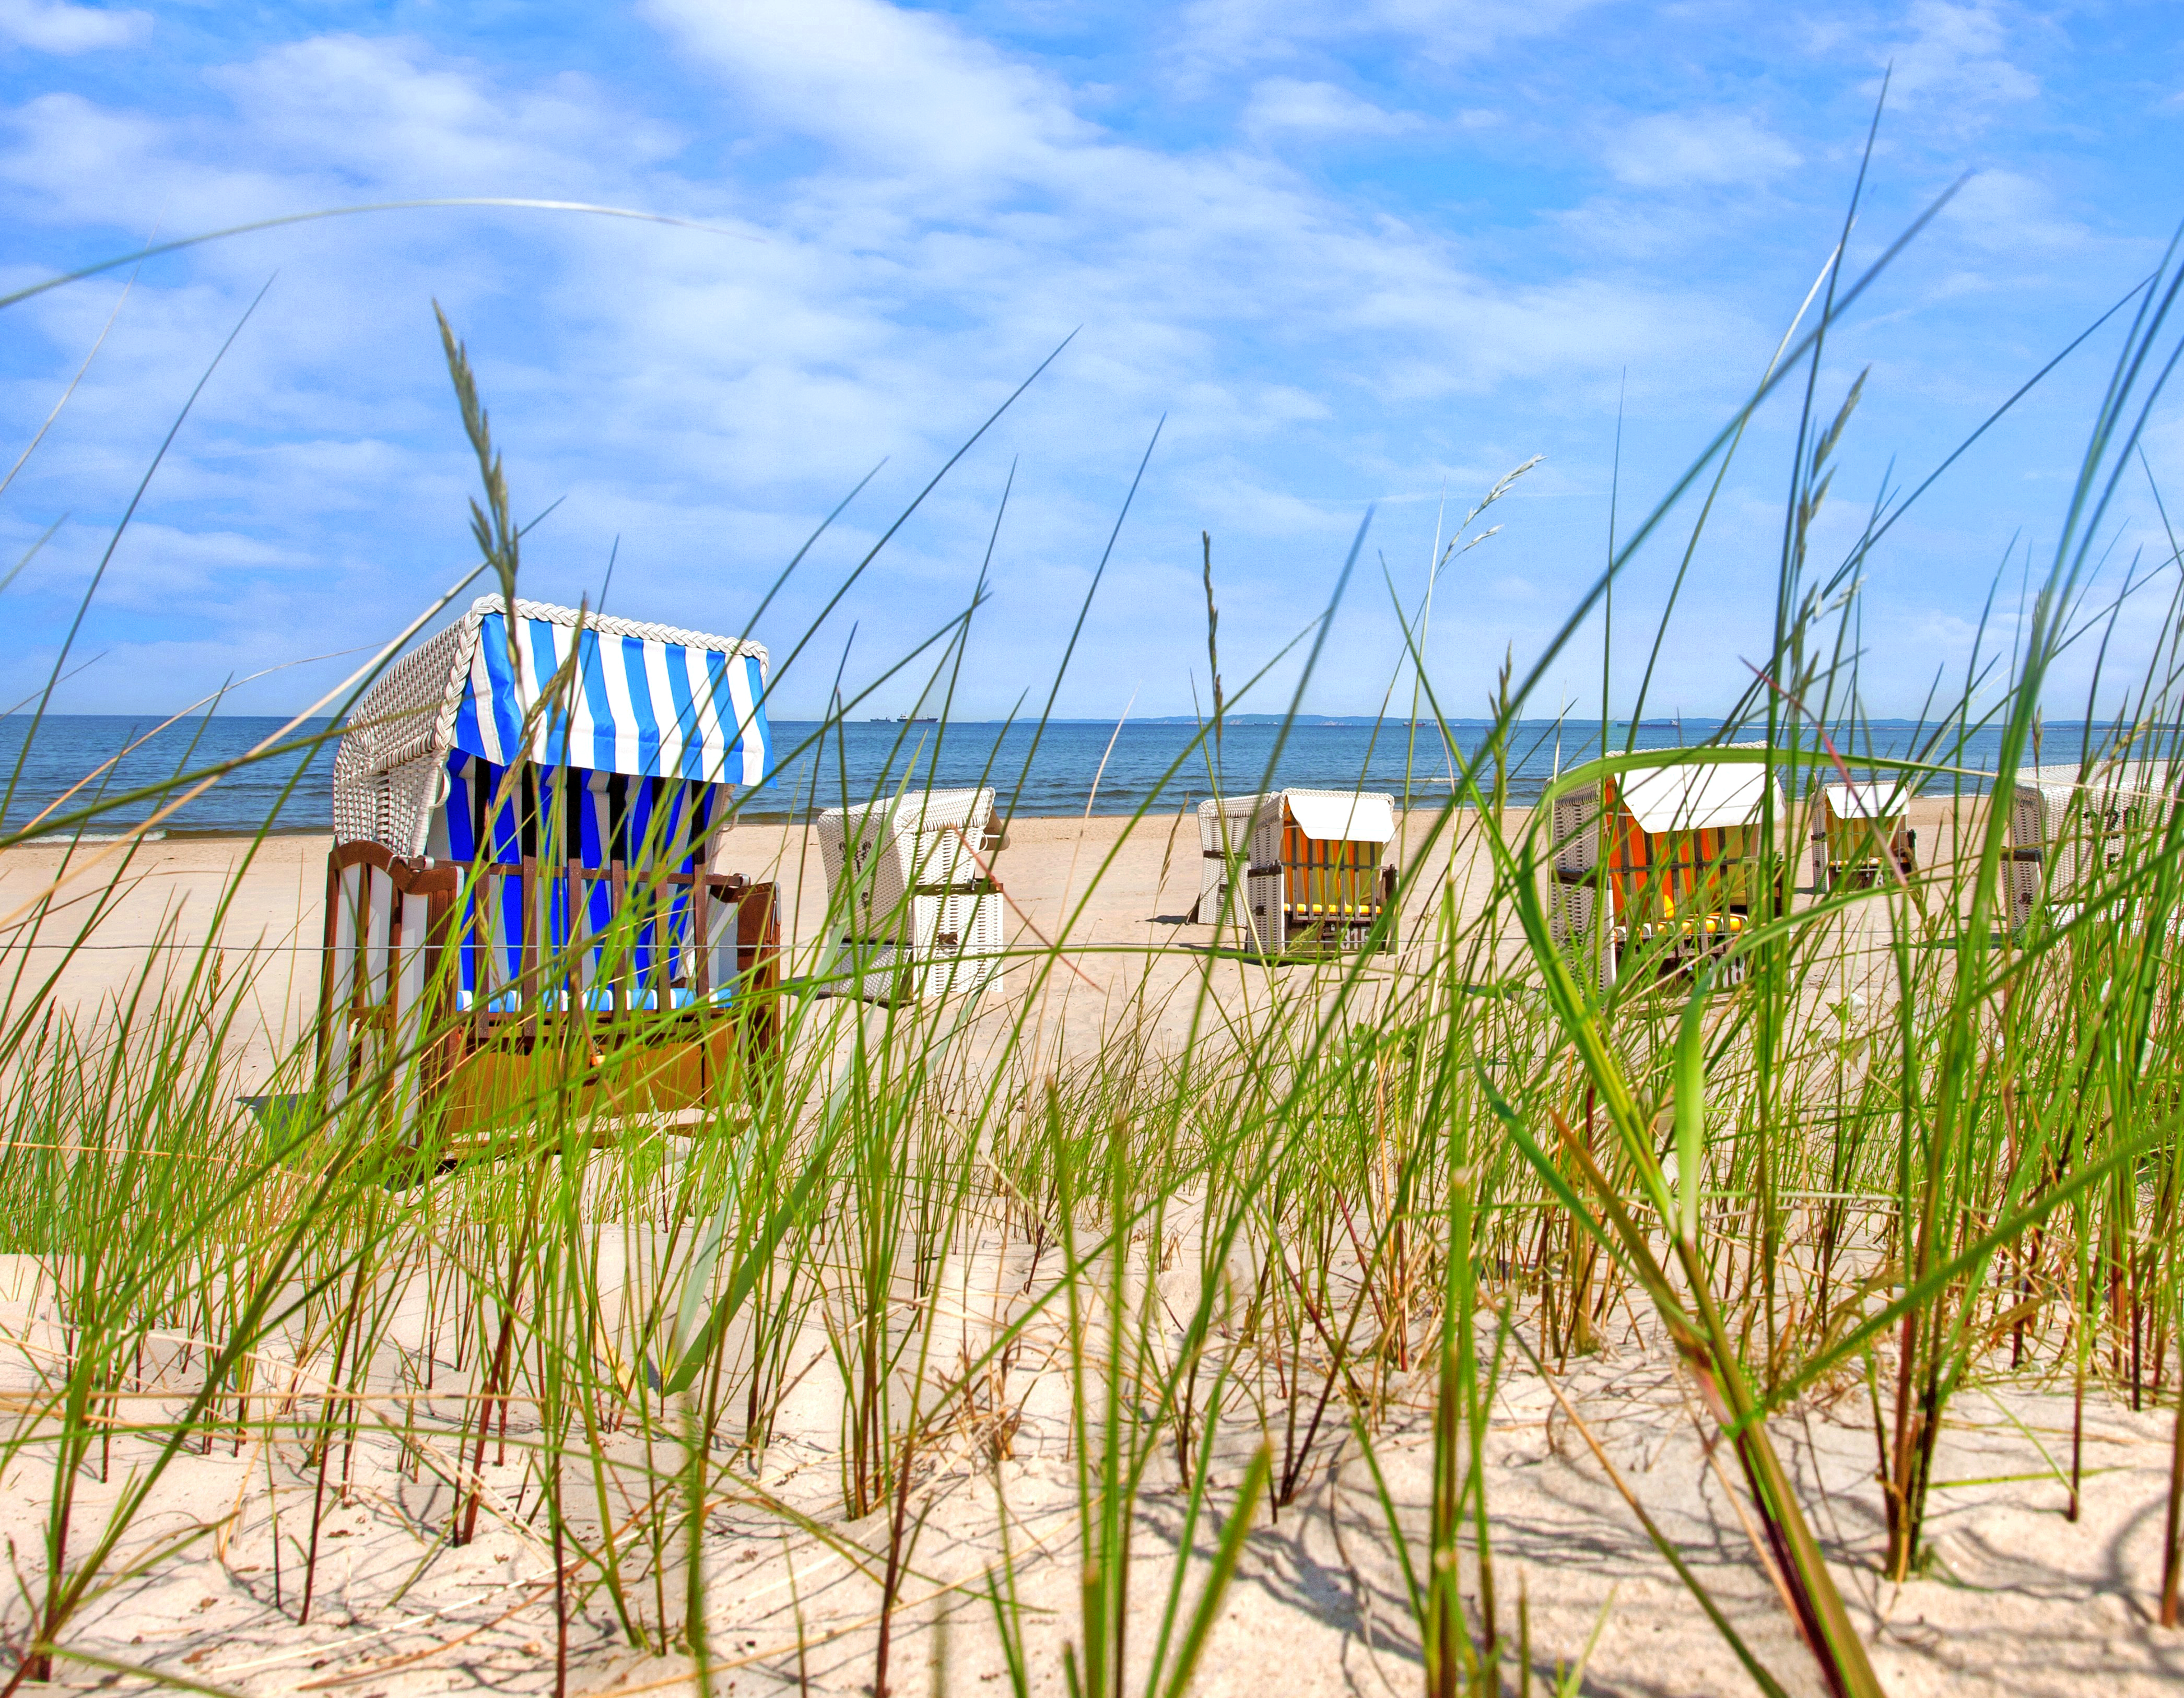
(1875, 800)
(1343, 816)
(1692, 798)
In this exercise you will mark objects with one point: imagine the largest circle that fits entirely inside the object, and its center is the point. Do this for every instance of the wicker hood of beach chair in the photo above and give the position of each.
(642, 700)
(913, 909)
(510, 796)
(2069, 820)
(1244, 830)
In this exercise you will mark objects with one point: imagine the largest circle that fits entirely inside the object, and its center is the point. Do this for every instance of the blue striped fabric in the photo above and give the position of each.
(492, 951)
(644, 709)
(661, 826)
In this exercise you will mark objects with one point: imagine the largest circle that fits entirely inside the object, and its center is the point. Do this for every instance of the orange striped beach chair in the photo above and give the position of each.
(1297, 871)
(1676, 850)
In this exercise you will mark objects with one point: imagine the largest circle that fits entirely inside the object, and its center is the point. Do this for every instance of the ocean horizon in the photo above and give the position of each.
(1070, 767)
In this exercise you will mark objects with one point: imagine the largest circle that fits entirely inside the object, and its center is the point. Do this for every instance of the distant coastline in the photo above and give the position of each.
(1161, 763)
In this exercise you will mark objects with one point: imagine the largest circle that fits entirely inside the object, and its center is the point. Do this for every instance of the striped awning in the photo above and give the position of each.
(640, 705)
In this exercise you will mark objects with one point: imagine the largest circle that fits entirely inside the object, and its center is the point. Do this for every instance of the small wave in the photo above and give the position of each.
(97, 836)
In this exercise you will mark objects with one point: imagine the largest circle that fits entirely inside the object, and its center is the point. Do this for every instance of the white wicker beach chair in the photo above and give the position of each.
(1573, 873)
(2067, 822)
(1241, 834)
(515, 805)
(913, 910)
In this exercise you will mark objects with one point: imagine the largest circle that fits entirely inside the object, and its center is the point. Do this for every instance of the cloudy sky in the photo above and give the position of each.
(1363, 254)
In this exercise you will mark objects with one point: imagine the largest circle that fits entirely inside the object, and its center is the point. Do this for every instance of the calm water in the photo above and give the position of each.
(821, 768)
(295, 791)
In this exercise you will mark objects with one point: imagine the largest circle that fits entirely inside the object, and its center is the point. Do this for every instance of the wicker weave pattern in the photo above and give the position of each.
(411, 791)
(394, 725)
(1304, 791)
(877, 853)
(2049, 841)
(910, 915)
(1572, 895)
(1251, 833)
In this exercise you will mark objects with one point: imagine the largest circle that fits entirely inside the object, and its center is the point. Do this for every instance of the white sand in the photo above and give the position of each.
(2020, 1601)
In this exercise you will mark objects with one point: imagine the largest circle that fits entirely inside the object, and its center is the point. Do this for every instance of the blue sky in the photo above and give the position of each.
(1356, 253)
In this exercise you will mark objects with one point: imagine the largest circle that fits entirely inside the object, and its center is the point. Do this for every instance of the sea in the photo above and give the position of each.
(126, 770)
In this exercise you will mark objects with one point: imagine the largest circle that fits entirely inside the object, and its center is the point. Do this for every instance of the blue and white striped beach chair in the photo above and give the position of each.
(524, 832)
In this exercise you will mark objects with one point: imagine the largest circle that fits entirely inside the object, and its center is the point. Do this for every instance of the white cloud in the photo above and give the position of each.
(79, 158)
(158, 568)
(2004, 212)
(380, 106)
(1956, 57)
(52, 26)
(703, 399)
(1255, 31)
(1652, 229)
(907, 91)
(1280, 104)
(1672, 149)
(1150, 247)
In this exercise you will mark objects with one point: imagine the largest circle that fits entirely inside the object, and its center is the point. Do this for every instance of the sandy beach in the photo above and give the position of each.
(1120, 891)
(2017, 1600)
(1650, 531)
(1123, 897)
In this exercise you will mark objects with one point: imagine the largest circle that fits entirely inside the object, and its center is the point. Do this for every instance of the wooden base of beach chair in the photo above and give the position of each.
(1871, 870)
(605, 1073)
(1864, 875)
(444, 1080)
(705, 1064)
(1311, 938)
(1315, 932)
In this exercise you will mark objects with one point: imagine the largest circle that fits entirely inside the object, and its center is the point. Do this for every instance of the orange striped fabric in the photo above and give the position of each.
(1653, 876)
(1326, 880)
